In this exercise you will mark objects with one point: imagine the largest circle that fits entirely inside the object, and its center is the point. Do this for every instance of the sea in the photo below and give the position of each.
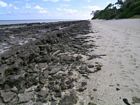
(6, 22)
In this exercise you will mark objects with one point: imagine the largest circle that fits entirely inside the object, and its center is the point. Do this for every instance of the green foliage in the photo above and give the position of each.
(136, 16)
(128, 8)
(108, 13)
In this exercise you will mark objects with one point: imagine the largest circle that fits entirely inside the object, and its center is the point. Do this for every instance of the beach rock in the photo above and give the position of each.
(81, 89)
(117, 89)
(93, 56)
(90, 66)
(42, 70)
(54, 70)
(43, 93)
(38, 103)
(53, 103)
(69, 99)
(91, 103)
(58, 94)
(83, 84)
(25, 97)
(67, 58)
(86, 76)
(7, 96)
(84, 69)
(126, 101)
(57, 88)
(94, 89)
(2, 103)
(135, 100)
(14, 89)
(28, 103)
(97, 68)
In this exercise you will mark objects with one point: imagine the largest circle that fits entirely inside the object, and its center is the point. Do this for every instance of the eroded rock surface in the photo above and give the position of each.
(42, 71)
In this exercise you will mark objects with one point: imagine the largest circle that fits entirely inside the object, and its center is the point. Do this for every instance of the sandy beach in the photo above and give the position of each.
(118, 83)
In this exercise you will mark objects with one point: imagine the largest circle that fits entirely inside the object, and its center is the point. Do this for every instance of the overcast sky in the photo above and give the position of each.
(49, 9)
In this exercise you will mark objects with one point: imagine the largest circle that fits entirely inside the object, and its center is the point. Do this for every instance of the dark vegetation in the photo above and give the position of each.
(121, 9)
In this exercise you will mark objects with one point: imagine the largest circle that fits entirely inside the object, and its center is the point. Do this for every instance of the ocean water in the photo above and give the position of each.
(4, 22)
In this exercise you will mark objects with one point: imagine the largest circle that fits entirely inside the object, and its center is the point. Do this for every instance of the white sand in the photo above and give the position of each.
(120, 41)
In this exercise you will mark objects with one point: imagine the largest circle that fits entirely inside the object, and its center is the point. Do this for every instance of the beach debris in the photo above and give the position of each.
(135, 100)
(126, 101)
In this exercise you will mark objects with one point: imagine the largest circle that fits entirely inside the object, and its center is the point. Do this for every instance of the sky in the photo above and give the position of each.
(50, 9)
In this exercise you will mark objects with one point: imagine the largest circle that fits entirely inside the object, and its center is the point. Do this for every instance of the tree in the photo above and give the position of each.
(119, 2)
(109, 6)
(127, 9)
(92, 13)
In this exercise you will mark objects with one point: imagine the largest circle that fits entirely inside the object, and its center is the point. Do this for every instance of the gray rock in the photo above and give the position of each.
(135, 100)
(81, 89)
(91, 103)
(42, 79)
(2, 70)
(54, 70)
(83, 84)
(84, 69)
(7, 96)
(38, 103)
(58, 94)
(85, 75)
(93, 57)
(43, 93)
(79, 57)
(48, 49)
(67, 58)
(28, 103)
(53, 103)
(56, 88)
(1, 102)
(14, 89)
(98, 68)
(46, 73)
(25, 97)
(90, 66)
(68, 99)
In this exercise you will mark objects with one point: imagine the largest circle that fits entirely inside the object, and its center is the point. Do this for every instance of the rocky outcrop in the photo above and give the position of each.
(47, 69)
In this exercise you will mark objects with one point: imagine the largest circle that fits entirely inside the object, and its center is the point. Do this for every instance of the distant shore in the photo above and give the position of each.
(8, 22)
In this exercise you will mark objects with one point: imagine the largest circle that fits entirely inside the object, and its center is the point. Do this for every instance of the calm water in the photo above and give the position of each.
(3, 22)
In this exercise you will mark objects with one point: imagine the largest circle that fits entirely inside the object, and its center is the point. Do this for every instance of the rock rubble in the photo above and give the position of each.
(45, 71)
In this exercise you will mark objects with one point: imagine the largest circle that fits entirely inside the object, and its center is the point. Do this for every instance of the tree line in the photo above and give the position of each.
(121, 9)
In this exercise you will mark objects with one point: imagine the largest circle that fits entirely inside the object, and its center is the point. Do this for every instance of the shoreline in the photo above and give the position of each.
(11, 34)
(32, 21)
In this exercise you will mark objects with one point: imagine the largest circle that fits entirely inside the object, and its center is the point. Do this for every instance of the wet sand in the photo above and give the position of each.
(118, 83)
